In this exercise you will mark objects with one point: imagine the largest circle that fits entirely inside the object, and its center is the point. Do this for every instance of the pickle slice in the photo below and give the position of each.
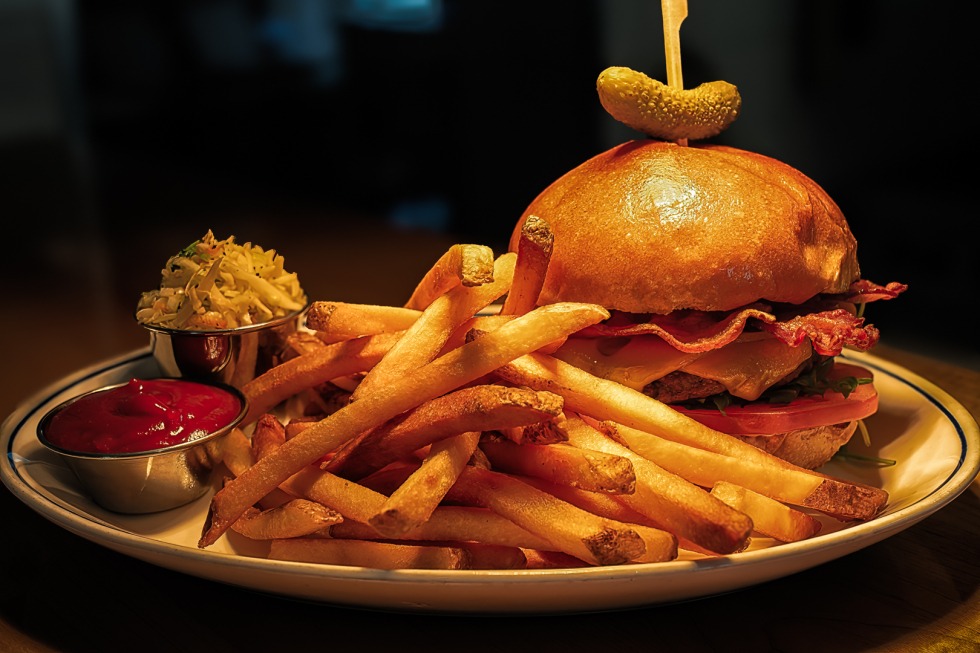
(664, 112)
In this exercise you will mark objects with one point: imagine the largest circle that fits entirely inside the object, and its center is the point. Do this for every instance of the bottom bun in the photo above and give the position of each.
(808, 448)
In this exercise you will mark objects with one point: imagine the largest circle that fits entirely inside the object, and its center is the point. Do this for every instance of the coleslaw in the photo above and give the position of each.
(218, 284)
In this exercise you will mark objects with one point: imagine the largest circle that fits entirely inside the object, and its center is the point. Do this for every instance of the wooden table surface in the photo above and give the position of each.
(917, 590)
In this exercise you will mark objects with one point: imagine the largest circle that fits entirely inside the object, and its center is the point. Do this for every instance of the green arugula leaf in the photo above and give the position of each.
(810, 383)
(190, 250)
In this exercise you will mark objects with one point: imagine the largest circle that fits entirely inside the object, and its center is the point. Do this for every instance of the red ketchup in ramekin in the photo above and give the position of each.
(142, 415)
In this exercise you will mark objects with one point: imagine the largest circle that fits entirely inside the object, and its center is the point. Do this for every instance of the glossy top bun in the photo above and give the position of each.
(651, 226)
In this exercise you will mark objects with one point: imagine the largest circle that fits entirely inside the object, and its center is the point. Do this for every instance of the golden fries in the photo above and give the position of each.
(475, 408)
(564, 464)
(423, 341)
(418, 496)
(337, 321)
(706, 468)
(533, 256)
(575, 531)
(358, 504)
(549, 431)
(602, 399)
(561, 525)
(681, 507)
(277, 384)
(465, 364)
(469, 265)
(240, 452)
(661, 545)
(439, 435)
(388, 555)
(769, 516)
(301, 342)
(451, 524)
(236, 452)
(295, 518)
(352, 500)
(268, 435)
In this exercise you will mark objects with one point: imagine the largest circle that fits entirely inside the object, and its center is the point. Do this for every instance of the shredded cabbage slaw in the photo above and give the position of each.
(218, 284)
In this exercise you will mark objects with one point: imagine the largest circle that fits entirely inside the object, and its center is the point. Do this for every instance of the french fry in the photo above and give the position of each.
(241, 452)
(416, 499)
(661, 544)
(473, 408)
(298, 424)
(388, 479)
(533, 255)
(277, 384)
(451, 523)
(302, 342)
(705, 468)
(575, 531)
(358, 503)
(295, 518)
(595, 471)
(337, 321)
(352, 500)
(798, 486)
(682, 508)
(769, 516)
(456, 368)
(268, 435)
(550, 431)
(477, 323)
(236, 451)
(388, 555)
(423, 341)
(475, 332)
(469, 265)
(607, 400)
(493, 556)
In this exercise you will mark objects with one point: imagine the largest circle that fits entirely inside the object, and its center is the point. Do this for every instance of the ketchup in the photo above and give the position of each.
(142, 415)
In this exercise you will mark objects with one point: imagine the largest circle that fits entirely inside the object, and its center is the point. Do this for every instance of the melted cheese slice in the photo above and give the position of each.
(633, 362)
(746, 367)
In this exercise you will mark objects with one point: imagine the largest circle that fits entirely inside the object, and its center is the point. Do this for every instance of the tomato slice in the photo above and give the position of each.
(805, 412)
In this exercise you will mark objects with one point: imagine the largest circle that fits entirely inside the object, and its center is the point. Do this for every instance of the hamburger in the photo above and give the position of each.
(733, 285)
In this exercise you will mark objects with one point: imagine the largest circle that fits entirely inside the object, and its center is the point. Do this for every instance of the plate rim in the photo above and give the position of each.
(807, 553)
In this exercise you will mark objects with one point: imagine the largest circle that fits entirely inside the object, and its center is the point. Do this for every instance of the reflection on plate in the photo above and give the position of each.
(934, 439)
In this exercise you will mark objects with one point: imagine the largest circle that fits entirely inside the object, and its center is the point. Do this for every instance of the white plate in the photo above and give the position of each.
(934, 439)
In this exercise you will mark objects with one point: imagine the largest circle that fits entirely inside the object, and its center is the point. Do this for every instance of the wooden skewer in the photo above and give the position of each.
(674, 13)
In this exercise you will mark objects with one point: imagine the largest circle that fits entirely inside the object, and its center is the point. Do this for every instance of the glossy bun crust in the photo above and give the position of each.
(651, 227)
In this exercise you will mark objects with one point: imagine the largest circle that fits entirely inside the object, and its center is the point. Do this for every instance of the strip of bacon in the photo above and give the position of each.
(829, 327)
(863, 291)
(688, 331)
(829, 331)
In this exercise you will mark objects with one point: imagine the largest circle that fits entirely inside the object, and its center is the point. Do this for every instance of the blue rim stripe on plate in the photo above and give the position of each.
(55, 390)
(958, 427)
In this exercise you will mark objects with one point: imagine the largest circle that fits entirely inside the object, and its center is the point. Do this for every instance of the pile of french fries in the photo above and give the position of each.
(442, 434)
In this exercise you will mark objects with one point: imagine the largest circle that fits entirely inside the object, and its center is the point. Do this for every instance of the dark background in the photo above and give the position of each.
(127, 129)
